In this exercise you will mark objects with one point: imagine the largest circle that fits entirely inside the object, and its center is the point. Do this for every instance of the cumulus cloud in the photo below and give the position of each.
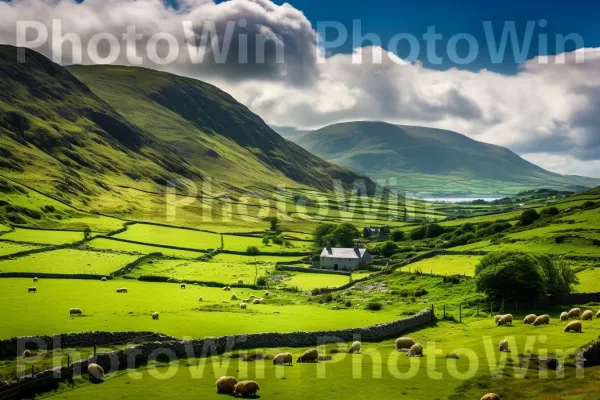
(546, 112)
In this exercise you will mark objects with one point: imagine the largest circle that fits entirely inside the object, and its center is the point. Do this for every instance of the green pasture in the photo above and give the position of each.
(181, 312)
(379, 371)
(223, 272)
(239, 258)
(43, 236)
(589, 280)
(309, 281)
(446, 265)
(68, 261)
(241, 243)
(153, 234)
(108, 244)
(7, 248)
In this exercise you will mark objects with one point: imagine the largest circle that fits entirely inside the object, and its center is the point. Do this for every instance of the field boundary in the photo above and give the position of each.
(207, 347)
(164, 246)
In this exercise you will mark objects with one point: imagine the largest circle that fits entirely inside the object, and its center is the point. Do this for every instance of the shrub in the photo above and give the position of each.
(252, 250)
(348, 303)
(560, 239)
(589, 205)
(262, 281)
(418, 233)
(397, 235)
(388, 248)
(421, 292)
(434, 230)
(550, 211)
(528, 217)
(374, 306)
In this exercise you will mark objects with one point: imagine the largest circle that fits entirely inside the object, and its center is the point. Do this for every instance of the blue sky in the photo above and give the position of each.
(388, 17)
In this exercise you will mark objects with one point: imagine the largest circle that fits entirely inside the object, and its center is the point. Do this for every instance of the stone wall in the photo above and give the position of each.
(292, 268)
(166, 347)
(13, 347)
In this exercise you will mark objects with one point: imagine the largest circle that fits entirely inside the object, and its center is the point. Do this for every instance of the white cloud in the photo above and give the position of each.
(546, 112)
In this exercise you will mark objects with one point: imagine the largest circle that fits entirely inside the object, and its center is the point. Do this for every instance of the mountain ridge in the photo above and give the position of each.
(431, 160)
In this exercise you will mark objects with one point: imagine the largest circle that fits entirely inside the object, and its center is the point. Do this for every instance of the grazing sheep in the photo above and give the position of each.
(506, 319)
(598, 314)
(542, 320)
(490, 396)
(103, 279)
(226, 384)
(200, 299)
(574, 326)
(95, 372)
(404, 343)
(122, 290)
(183, 285)
(75, 311)
(240, 282)
(233, 296)
(574, 313)
(355, 348)
(497, 318)
(35, 279)
(27, 353)
(246, 388)
(256, 301)
(565, 316)
(252, 296)
(503, 346)
(311, 355)
(243, 306)
(283, 358)
(266, 294)
(530, 319)
(415, 350)
(587, 315)
(154, 315)
(31, 290)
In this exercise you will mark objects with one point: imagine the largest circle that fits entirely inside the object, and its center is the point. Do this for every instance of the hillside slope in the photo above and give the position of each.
(207, 126)
(432, 160)
(136, 130)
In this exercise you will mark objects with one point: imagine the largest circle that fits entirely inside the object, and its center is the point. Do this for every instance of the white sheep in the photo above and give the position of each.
(154, 315)
(355, 348)
(503, 346)
(587, 315)
(415, 350)
(243, 306)
(506, 319)
(234, 296)
(75, 311)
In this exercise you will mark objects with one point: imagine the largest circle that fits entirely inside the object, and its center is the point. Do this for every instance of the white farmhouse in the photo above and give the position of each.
(344, 259)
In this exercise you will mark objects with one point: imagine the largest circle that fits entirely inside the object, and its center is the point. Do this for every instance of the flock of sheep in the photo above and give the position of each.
(532, 319)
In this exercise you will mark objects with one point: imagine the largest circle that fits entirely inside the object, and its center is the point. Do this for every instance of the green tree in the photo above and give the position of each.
(418, 233)
(434, 230)
(343, 235)
(550, 211)
(274, 224)
(528, 217)
(388, 249)
(397, 235)
(511, 275)
(252, 250)
(321, 231)
(87, 233)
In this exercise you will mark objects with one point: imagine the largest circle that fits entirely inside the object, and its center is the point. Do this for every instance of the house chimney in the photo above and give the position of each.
(355, 246)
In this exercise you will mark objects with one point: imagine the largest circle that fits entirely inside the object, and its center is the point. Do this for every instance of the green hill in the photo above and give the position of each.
(84, 135)
(433, 161)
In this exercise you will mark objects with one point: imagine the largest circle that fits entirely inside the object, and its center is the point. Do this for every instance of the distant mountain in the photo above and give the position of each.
(433, 161)
(289, 132)
(80, 133)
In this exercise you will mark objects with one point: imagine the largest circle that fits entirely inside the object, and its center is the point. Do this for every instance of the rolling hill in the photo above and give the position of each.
(84, 135)
(433, 161)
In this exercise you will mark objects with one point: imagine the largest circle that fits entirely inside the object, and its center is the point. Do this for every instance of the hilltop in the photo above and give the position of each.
(433, 161)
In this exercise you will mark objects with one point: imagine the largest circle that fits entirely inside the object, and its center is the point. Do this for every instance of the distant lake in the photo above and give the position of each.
(459, 199)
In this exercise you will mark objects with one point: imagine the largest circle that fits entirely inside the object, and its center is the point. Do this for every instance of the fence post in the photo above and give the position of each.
(94, 353)
(444, 311)
(32, 372)
(460, 312)
(68, 361)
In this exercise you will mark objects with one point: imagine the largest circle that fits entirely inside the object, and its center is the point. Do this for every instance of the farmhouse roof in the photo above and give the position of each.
(338, 252)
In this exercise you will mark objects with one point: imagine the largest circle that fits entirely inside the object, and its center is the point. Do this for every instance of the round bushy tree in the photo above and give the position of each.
(511, 275)
(529, 216)
(388, 249)
(397, 235)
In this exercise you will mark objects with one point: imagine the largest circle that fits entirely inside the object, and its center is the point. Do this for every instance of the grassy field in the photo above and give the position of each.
(241, 243)
(479, 369)
(153, 234)
(308, 281)
(182, 315)
(446, 265)
(108, 244)
(222, 272)
(43, 236)
(10, 248)
(67, 261)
